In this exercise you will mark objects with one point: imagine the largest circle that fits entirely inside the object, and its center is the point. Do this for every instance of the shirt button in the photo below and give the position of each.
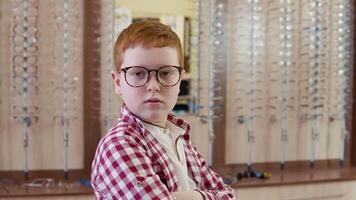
(139, 184)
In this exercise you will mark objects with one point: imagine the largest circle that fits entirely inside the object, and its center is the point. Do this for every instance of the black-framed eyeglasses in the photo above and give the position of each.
(138, 76)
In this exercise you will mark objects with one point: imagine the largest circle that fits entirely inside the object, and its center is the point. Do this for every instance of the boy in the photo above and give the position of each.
(148, 154)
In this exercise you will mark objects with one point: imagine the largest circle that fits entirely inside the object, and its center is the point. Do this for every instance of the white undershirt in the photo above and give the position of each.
(167, 138)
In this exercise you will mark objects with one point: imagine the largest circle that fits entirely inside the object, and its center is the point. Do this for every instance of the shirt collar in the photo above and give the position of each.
(129, 117)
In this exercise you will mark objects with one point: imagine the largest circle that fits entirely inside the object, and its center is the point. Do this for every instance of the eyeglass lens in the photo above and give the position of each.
(138, 76)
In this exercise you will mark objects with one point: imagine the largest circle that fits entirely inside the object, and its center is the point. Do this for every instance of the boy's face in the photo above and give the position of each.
(151, 102)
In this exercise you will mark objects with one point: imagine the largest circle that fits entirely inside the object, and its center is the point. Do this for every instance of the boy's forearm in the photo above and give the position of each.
(192, 195)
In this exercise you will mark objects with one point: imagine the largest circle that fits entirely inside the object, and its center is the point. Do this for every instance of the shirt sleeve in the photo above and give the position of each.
(123, 170)
(212, 186)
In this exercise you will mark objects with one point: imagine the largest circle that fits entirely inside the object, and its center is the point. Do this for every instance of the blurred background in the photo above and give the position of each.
(269, 92)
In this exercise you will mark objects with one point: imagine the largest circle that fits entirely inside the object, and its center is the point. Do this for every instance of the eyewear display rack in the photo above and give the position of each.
(54, 92)
(288, 93)
(252, 55)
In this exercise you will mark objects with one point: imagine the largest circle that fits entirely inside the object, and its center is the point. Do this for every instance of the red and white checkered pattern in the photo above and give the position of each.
(131, 164)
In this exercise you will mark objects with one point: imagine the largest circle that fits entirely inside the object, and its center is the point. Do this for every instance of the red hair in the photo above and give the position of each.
(148, 34)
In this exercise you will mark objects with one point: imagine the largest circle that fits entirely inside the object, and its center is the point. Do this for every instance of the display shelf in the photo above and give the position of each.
(294, 173)
(12, 183)
(15, 190)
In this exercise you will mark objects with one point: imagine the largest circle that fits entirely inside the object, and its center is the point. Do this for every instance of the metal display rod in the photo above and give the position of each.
(344, 69)
(315, 39)
(211, 83)
(250, 93)
(65, 86)
(25, 87)
(197, 104)
(215, 58)
(285, 62)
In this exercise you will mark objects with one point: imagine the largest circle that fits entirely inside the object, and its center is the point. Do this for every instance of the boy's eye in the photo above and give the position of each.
(165, 73)
(137, 73)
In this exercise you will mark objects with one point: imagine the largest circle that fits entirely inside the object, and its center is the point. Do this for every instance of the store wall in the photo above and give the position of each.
(158, 7)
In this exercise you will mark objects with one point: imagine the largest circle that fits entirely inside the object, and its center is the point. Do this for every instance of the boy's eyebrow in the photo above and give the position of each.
(145, 66)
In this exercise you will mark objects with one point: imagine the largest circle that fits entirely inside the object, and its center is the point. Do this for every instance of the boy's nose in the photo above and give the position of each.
(153, 84)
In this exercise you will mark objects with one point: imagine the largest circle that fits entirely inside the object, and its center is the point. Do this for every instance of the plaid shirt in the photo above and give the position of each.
(131, 164)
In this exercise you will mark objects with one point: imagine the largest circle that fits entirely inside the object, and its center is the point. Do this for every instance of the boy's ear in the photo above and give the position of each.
(116, 79)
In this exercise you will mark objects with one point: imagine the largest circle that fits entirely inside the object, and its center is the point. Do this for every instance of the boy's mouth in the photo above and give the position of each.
(153, 100)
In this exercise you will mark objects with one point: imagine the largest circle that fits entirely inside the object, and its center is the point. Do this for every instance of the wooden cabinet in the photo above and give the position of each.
(345, 190)
(75, 197)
